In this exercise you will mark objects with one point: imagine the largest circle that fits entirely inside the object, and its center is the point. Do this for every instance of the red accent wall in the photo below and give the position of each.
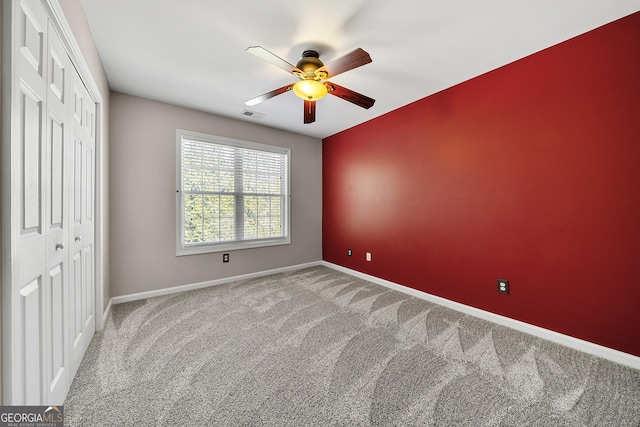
(529, 173)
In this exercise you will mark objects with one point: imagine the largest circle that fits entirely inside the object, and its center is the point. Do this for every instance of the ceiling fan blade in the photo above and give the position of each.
(274, 59)
(268, 95)
(309, 112)
(349, 95)
(354, 59)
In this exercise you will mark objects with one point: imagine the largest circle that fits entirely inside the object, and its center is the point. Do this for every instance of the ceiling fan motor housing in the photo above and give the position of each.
(309, 63)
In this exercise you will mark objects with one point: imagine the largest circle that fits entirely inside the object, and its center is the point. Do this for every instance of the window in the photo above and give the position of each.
(231, 194)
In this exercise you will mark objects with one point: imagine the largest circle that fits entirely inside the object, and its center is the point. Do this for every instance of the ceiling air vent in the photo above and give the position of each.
(252, 114)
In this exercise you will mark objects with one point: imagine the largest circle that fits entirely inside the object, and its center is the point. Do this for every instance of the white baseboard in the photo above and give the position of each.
(200, 285)
(616, 356)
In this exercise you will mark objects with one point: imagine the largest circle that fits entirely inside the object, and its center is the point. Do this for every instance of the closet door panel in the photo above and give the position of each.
(89, 185)
(88, 292)
(75, 299)
(56, 288)
(30, 391)
(57, 173)
(32, 42)
(82, 204)
(31, 162)
(55, 363)
(28, 200)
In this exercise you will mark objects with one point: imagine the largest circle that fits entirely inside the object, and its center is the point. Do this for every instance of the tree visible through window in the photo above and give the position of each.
(232, 194)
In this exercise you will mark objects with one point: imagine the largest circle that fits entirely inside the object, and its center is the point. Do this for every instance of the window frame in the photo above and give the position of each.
(192, 249)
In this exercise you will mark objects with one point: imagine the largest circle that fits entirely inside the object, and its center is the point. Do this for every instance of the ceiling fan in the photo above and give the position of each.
(313, 75)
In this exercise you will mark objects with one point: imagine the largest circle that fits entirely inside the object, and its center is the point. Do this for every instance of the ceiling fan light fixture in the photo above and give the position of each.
(313, 73)
(310, 89)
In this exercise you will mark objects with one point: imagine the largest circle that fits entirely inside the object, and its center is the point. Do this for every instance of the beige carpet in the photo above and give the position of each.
(316, 347)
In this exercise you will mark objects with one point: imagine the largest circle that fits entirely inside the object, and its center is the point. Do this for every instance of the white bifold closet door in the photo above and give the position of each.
(81, 217)
(52, 213)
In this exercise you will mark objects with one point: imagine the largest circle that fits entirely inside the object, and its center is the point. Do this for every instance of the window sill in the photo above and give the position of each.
(232, 246)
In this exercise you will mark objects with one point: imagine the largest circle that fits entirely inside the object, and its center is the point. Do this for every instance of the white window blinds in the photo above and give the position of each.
(232, 194)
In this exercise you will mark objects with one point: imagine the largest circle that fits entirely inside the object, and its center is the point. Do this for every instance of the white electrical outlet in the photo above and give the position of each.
(368, 256)
(503, 286)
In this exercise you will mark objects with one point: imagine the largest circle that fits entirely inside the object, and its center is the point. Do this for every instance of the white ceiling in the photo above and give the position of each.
(192, 52)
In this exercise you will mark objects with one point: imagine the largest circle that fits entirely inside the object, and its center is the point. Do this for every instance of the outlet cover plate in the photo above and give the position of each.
(503, 286)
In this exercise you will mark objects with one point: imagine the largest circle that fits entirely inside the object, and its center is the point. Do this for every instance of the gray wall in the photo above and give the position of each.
(143, 198)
